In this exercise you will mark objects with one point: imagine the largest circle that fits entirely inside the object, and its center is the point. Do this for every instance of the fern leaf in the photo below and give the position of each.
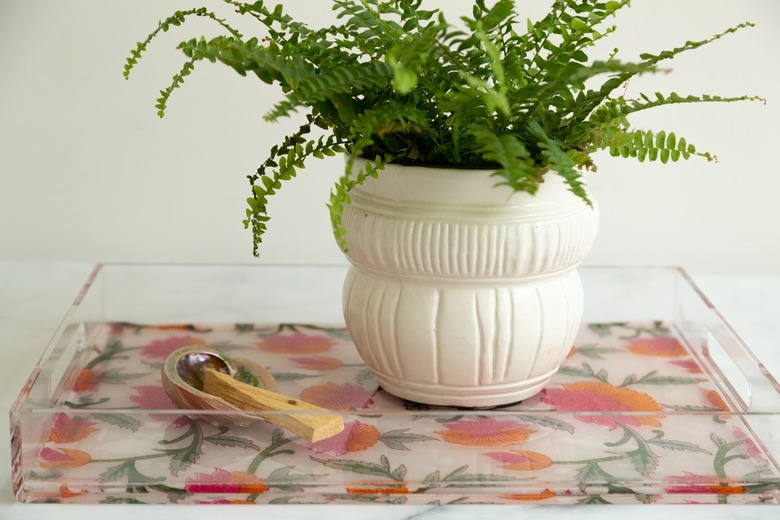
(619, 107)
(176, 20)
(272, 18)
(248, 56)
(597, 97)
(376, 125)
(178, 79)
(330, 84)
(502, 11)
(367, 22)
(342, 80)
(339, 196)
(647, 145)
(282, 165)
(515, 163)
(561, 162)
(407, 56)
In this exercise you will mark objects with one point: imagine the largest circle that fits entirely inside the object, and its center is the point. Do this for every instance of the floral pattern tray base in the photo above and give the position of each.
(631, 417)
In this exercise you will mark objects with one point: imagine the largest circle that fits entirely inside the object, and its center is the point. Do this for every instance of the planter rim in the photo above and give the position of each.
(411, 184)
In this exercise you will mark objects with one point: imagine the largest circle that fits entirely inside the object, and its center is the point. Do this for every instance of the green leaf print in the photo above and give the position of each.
(230, 441)
(282, 479)
(127, 470)
(182, 458)
(115, 376)
(118, 419)
(365, 468)
(548, 422)
(397, 439)
(593, 472)
(659, 441)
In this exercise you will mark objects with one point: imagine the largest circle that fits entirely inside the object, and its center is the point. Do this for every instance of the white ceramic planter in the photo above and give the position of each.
(461, 292)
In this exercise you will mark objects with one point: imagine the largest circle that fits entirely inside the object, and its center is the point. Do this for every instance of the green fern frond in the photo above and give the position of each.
(386, 128)
(175, 20)
(619, 107)
(561, 162)
(647, 145)
(563, 84)
(328, 84)
(595, 98)
(271, 19)
(339, 196)
(406, 57)
(502, 12)
(369, 75)
(516, 165)
(249, 56)
(376, 34)
(282, 165)
(178, 79)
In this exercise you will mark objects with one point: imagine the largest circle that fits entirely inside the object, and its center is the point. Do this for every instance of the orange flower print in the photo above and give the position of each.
(355, 436)
(659, 346)
(65, 492)
(296, 344)
(317, 363)
(716, 400)
(162, 348)
(602, 397)
(66, 429)
(62, 458)
(531, 497)
(338, 397)
(224, 481)
(690, 366)
(519, 460)
(87, 381)
(485, 432)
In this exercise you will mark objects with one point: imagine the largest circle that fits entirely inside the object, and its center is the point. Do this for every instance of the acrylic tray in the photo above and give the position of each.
(658, 402)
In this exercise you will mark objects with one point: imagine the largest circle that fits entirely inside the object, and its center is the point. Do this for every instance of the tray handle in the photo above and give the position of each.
(739, 370)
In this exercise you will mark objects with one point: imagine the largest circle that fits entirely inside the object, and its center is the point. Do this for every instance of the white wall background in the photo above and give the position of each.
(89, 173)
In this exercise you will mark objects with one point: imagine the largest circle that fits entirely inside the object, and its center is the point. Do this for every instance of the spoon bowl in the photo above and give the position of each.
(192, 366)
(183, 376)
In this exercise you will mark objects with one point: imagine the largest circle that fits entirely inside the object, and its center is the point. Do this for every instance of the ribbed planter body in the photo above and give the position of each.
(462, 292)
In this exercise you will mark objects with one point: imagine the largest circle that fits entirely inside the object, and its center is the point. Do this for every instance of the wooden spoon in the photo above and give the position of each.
(188, 379)
(308, 421)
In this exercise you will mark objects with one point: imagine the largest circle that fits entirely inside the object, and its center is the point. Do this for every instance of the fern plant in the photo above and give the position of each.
(394, 82)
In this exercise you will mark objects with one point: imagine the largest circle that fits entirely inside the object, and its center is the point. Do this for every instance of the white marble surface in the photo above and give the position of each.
(34, 297)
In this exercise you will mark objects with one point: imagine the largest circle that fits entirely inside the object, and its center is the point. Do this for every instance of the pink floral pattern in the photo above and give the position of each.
(70, 429)
(485, 432)
(521, 460)
(615, 416)
(689, 365)
(317, 363)
(224, 481)
(296, 343)
(602, 397)
(356, 436)
(338, 397)
(162, 348)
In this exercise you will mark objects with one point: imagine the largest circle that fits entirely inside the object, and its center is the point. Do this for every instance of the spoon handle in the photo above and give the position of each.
(312, 427)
